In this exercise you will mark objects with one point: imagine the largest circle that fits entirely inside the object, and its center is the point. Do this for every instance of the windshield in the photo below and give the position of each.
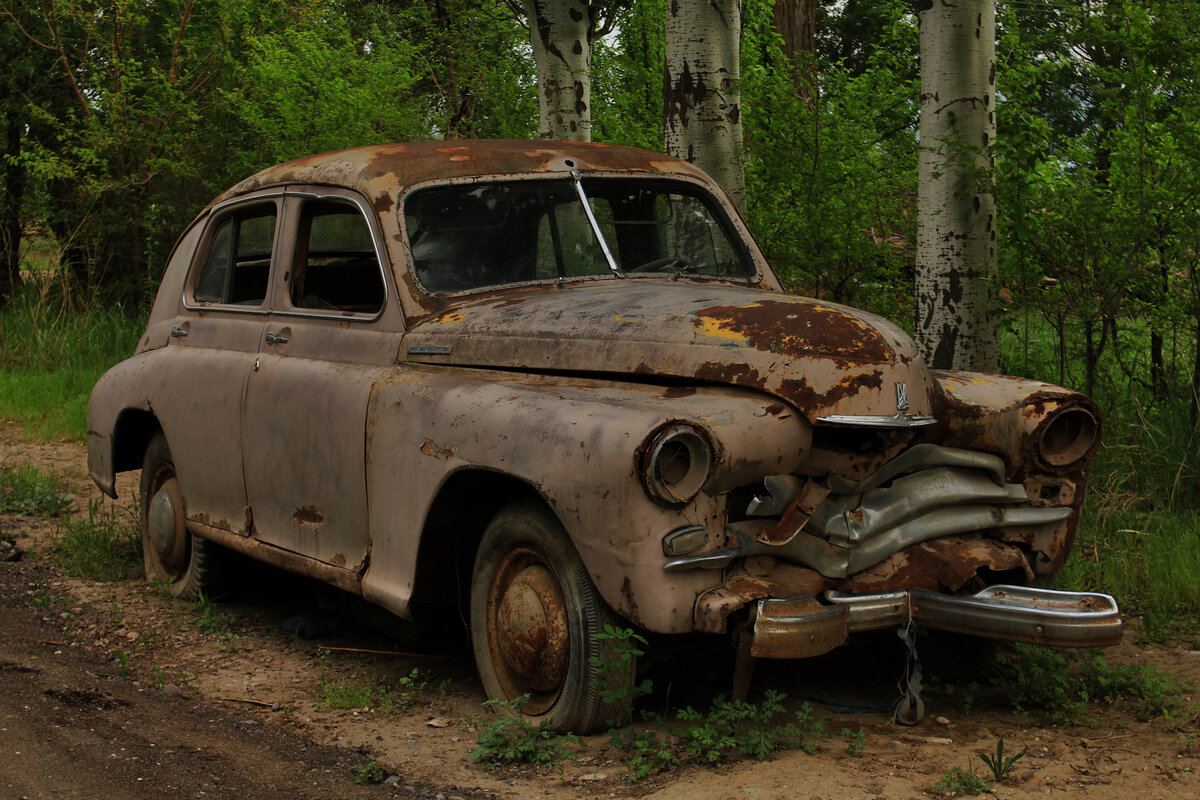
(483, 235)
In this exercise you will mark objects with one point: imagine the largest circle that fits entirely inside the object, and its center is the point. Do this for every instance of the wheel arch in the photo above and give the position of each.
(132, 433)
(462, 508)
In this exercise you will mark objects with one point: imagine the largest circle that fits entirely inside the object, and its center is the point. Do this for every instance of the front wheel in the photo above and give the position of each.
(173, 557)
(537, 626)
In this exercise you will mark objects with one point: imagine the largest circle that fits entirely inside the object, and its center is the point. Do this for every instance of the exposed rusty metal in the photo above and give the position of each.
(798, 627)
(797, 515)
(527, 629)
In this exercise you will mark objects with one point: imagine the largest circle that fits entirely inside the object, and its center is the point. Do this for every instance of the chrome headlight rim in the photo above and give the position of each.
(676, 463)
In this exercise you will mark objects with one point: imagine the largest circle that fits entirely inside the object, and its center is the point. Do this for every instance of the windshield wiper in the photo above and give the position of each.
(587, 209)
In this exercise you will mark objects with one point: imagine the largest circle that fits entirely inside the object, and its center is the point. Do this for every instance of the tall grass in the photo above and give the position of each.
(52, 350)
(1139, 538)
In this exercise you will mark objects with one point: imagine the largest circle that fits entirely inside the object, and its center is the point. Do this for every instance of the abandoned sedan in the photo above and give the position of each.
(557, 385)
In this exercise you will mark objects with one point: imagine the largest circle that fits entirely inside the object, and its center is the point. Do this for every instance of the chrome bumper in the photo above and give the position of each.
(800, 627)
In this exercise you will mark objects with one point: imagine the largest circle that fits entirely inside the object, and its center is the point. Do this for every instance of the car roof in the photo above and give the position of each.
(380, 171)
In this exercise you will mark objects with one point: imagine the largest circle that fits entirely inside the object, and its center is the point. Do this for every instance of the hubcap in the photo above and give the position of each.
(164, 526)
(529, 630)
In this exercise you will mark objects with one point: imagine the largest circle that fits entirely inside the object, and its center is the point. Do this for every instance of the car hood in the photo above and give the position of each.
(823, 358)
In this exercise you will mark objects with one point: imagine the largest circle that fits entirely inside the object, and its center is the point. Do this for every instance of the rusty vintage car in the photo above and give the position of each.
(557, 386)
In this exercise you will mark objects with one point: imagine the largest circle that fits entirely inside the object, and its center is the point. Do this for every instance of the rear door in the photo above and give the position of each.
(213, 343)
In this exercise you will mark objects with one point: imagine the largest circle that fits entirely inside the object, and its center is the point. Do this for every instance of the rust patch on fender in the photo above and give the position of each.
(309, 515)
(431, 449)
(796, 329)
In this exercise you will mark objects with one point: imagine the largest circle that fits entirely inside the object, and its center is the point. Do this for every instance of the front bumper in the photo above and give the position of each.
(800, 627)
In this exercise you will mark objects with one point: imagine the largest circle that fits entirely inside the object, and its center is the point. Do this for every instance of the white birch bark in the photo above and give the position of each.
(702, 99)
(956, 208)
(560, 32)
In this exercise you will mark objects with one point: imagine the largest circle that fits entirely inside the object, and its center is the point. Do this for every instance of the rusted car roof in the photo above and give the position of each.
(381, 170)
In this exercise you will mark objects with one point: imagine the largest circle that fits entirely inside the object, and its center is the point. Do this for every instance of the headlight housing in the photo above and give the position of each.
(676, 461)
(1067, 436)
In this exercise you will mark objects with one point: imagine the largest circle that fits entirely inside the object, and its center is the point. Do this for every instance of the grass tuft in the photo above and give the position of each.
(103, 547)
(32, 490)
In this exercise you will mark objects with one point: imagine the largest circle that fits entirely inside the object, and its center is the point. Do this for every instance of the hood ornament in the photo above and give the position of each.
(901, 396)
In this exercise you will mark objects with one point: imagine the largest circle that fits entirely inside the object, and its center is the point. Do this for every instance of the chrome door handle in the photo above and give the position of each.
(273, 338)
(177, 332)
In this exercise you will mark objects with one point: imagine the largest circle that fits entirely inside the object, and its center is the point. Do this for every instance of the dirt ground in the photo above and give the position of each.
(110, 690)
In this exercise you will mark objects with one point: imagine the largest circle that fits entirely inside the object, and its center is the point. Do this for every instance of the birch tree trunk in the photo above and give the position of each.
(561, 33)
(956, 208)
(702, 100)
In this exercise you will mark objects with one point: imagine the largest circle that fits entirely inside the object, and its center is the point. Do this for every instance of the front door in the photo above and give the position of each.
(333, 332)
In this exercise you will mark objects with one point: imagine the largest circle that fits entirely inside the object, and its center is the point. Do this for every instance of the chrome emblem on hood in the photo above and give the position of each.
(901, 396)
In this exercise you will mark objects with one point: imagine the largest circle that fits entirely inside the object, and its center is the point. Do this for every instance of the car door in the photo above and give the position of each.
(333, 331)
(212, 344)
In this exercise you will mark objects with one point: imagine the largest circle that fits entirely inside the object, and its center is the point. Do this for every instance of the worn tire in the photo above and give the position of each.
(536, 620)
(174, 558)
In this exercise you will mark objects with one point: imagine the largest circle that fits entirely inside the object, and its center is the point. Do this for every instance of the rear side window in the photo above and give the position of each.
(237, 261)
(336, 268)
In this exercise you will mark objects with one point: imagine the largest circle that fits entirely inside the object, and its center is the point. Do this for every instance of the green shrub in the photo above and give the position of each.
(105, 547)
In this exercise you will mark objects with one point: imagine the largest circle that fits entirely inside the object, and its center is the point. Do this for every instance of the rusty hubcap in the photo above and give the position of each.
(529, 630)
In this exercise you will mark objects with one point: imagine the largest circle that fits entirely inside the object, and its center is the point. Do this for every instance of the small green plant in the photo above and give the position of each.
(1000, 764)
(1039, 678)
(513, 739)
(1149, 693)
(212, 620)
(408, 688)
(31, 490)
(369, 773)
(857, 741)
(738, 728)
(121, 661)
(103, 547)
(650, 750)
(353, 693)
(961, 781)
(625, 652)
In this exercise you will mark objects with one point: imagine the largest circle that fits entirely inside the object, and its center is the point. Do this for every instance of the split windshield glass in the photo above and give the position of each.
(484, 235)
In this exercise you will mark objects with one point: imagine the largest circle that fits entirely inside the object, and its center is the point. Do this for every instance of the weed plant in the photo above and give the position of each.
(29, 489)
(104, 547)
(961, 781)
(1062, 683)
(1000, 764)
(513, 739)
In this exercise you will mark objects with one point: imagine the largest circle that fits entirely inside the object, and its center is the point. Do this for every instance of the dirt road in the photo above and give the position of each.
(109, 690)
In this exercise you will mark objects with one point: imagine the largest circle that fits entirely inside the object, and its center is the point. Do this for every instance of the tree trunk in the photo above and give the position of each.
(702, 100)
(956, 234)
(10, 208)
(796, 21)
(560, 32)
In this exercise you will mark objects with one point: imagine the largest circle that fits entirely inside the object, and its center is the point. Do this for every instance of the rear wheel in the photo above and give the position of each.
(173, 557)
(537, 625)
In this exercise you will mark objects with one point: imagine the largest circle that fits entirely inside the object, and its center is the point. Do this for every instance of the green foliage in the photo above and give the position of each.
(961, 781)
(652, 749)
(1000, 764)
(52, 350)
(857, 741)
(737, 728)
(1062, 683)
(121, 662)
(373, 694)
(513, 739)
(32, 490)
(211, 619)
(105, 546)
(625, 652)
(370, 773)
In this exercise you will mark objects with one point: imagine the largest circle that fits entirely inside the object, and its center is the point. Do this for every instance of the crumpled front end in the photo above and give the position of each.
(881, 521)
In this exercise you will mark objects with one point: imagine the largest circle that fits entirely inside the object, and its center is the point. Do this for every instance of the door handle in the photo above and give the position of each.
(274, 338)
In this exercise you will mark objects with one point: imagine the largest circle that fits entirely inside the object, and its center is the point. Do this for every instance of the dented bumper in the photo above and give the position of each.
(800, 627)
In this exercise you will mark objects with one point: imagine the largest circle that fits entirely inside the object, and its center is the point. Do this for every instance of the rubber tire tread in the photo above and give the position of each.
(579, 707)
